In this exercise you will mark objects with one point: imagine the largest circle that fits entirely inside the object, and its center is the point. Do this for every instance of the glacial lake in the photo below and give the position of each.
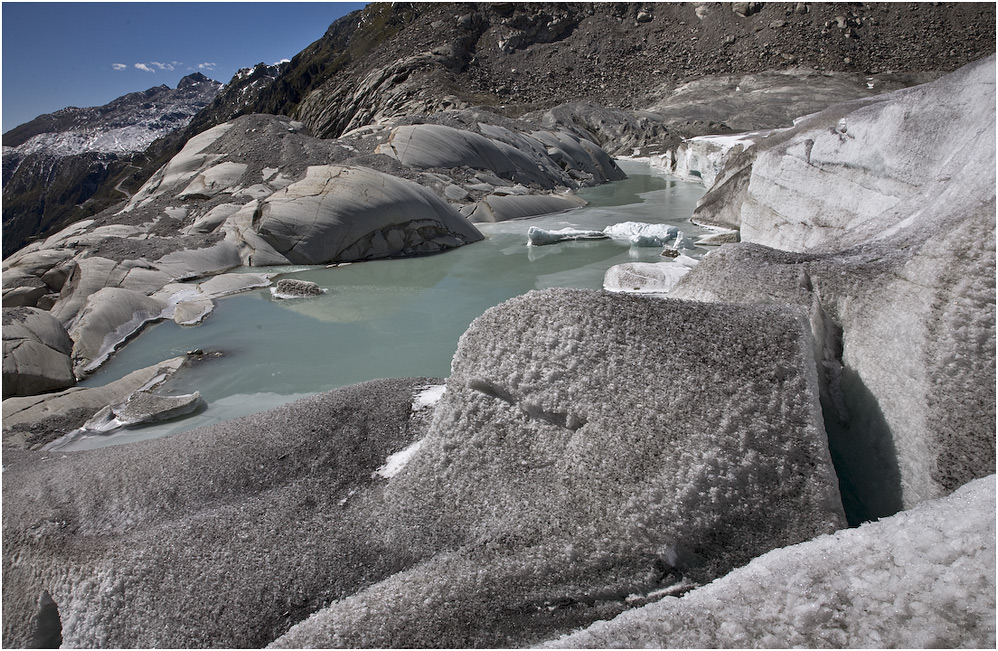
(387, 318)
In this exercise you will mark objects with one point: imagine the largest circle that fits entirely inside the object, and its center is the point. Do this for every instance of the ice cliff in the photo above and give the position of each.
(879, 217)
(924, 578)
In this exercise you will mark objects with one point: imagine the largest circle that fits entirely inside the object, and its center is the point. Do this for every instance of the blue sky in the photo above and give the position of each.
(59, 54)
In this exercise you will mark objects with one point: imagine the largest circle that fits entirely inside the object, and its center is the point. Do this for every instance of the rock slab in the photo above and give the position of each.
(36, 353)
(346, 214)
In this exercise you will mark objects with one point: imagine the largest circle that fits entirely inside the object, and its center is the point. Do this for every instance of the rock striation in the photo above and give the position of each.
(348, 214)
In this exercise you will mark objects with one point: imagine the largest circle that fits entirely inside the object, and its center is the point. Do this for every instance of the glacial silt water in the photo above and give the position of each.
(387, 318)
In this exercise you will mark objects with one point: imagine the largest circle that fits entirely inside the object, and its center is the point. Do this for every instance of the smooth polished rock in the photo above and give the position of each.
(345, 214)
(33, 421)
(108, 318)
(502, 207)
(36, 352)
(433, 145)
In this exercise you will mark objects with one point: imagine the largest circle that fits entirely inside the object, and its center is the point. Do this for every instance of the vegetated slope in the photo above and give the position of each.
(394, 59)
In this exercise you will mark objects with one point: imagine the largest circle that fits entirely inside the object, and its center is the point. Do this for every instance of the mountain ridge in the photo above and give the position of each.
(392, 60)
(192, 92)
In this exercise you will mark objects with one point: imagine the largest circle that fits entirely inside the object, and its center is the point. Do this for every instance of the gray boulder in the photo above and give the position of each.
(345, 214)
(36, 352)
(31, 275)
(22, 290)
(294, 288)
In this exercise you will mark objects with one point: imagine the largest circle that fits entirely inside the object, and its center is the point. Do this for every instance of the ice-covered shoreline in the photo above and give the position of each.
(591, 446)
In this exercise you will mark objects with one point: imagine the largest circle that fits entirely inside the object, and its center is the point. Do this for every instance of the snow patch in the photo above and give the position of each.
(428, 397)
(396, 462)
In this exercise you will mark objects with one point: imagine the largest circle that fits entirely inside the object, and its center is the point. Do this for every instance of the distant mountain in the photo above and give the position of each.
(57, 163)
(238, 97)
(127, 124)
(393, 60)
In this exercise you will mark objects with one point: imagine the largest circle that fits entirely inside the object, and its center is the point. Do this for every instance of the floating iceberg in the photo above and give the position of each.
(539, 236)
(641, 233)
(644, 277)
(683, 241)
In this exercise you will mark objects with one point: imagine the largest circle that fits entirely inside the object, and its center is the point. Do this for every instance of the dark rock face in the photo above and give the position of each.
(536, 55)
(42, 192)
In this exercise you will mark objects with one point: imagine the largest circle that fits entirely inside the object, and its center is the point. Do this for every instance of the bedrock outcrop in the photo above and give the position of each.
(879, 217)
(558, 482)
(260, 190)
(348, 214)
(36, 353)
(32, 422)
